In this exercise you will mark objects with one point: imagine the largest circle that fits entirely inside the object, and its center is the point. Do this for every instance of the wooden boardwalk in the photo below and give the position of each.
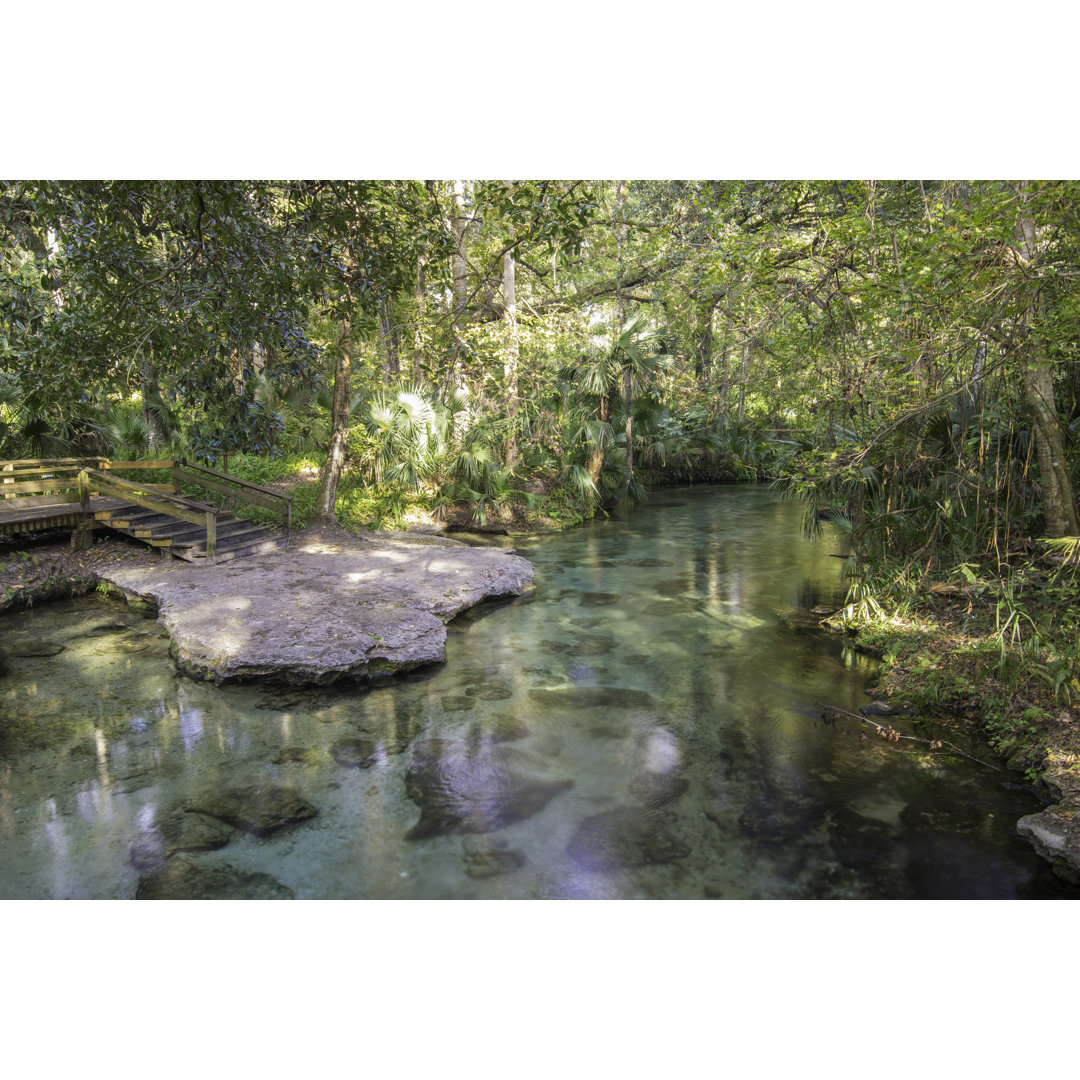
(80, 494)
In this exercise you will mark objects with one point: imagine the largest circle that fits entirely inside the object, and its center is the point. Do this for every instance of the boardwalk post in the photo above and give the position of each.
(211, 536)
(80, 538)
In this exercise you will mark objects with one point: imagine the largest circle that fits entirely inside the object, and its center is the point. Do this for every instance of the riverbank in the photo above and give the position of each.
(35, 570)
(945, 654)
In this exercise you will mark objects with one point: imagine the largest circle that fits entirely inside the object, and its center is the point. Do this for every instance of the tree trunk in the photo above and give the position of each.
(725, 362)
(339, 433)
(510, 363)
(1059, 509)
(388, 343)
(628, 428)
(459, 271)
(703, 362)
(421, 314)
(595, 463)
(150, 389)
(744, 375)
(1059, 505)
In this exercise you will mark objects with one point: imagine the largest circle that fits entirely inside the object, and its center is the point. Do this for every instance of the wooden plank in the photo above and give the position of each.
(27, 501)
(46, 511)
(48, 463)
(15, 475)
(40, 486)
(109, 465)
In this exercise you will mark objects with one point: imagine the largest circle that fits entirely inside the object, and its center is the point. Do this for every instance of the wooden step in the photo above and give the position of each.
(236, 537)
(196, 534)
(262, 547)
(123, 511)
(227, 542)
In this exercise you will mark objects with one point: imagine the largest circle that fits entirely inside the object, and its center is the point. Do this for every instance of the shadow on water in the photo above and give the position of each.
(647, 722)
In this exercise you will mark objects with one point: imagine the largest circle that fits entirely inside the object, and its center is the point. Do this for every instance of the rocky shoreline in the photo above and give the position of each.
(1049, 755)
(333, 606)
(1053, 752)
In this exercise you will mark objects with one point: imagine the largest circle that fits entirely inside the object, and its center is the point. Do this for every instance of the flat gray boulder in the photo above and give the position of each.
(328, 608)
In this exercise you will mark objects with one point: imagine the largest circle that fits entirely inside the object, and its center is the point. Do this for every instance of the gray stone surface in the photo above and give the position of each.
(1055, 835)
(1055, 832)
(325, 609)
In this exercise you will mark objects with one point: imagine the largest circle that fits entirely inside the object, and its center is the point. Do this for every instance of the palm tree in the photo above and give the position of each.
(626, 368)
(637, 357)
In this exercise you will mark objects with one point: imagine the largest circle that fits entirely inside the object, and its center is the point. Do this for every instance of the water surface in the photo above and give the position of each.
(645, 724)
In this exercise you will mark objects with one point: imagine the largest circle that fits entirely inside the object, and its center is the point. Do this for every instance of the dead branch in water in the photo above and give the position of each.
(889, 734)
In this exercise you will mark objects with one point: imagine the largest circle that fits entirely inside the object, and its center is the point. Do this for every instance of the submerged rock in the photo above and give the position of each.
(490, 691)
(180, 879)
(147, 852)
(189, 831)
(489, 857)
(178, 832)
(679, 605)
(260, 809)
(598, 599)
(31, 649)
(354, 753)
(592, 697)
(500, 728)
(656, 789)
(300, 755)
(581, 645)
(624, 838)
(475, 789)
(456, 703)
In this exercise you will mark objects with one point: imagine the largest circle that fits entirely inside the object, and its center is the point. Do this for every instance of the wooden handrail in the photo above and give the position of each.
(254, 494)
(161, 502)
(21, 477)
(51, 463)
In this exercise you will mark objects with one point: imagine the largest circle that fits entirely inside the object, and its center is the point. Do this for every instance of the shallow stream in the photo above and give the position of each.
(644, 724)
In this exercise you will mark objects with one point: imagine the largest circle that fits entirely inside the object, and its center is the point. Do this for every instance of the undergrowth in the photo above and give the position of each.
(999, 655)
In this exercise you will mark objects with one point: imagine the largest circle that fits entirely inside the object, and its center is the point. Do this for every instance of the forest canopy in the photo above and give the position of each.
(900, 354)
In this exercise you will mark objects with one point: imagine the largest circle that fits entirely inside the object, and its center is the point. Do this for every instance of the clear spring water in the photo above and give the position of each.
(641, 725)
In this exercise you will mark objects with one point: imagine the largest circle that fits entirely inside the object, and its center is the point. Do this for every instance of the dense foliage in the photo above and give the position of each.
(899, 354)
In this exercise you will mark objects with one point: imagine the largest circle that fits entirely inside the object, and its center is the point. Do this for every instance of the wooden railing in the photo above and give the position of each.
(45, 482)
(235, 489)
(42, 481)
(151, 497)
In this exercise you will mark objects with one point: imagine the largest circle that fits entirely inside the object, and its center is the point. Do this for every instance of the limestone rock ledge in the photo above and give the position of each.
(1055, 835)
(324, 610)
(1055, 831)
